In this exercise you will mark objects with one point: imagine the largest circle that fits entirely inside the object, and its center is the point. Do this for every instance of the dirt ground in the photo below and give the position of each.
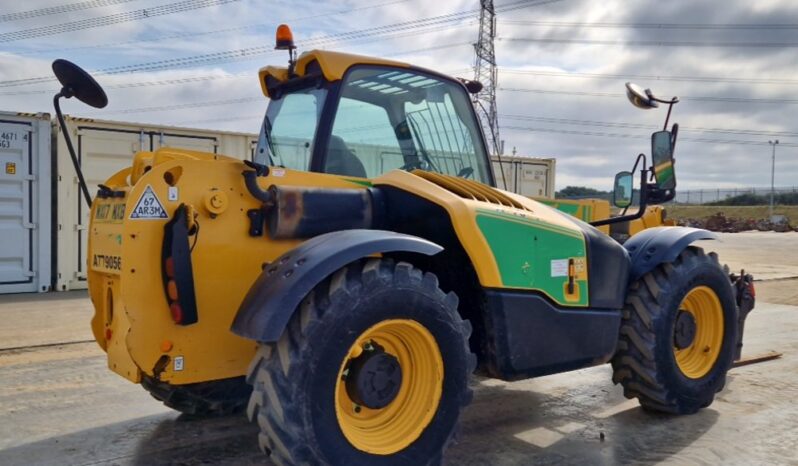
(771, 257)
(754, 212)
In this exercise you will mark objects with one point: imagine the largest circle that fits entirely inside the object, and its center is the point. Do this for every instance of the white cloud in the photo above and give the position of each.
(582, 159)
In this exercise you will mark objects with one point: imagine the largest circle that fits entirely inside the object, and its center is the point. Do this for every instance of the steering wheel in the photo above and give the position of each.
(466, 172)
(409, 166)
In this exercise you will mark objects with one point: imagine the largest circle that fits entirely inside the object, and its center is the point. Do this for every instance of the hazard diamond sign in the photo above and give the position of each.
(148, 206)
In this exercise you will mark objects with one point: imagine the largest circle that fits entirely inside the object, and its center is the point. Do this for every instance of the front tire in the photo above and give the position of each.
(678, 334)
(308, 396)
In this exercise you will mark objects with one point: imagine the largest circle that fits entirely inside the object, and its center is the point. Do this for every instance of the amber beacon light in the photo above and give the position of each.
(284, 39)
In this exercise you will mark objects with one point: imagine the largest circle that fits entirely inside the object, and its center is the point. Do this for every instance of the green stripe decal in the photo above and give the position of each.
(365, 183)
(530, 222)
(524, 250)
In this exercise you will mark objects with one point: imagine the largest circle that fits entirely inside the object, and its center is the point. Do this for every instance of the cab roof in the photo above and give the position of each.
(333, 65)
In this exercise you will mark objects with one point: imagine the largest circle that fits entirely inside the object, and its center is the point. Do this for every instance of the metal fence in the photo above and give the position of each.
(704, 196)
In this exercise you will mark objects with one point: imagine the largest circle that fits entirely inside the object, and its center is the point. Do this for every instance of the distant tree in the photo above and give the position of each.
(571, 192)
(748, 199)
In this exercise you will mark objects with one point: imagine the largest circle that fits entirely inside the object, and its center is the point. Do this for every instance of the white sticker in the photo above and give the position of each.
(172, 193)
(278, 172)
(148, 206)
(559, 267)
(178, 363)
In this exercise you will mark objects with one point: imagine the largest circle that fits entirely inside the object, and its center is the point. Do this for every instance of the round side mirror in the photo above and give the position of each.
(78, 83)
(639, 97)
(473, 87)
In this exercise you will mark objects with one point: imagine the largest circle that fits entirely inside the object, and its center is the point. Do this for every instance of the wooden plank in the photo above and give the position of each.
(757, 358)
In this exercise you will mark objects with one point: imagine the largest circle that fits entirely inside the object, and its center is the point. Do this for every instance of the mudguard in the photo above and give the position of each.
(654, 246)
(283, 284)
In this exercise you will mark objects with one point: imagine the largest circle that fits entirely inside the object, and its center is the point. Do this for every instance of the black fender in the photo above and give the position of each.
(283, 284)
(653, 246)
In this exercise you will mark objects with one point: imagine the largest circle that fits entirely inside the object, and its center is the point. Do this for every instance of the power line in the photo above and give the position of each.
(610, 25)
(88, 23)
(250, 52)
(431, 24)
(691, 129)
(710, 79)
(58, 9)
(637, 136)
(215, 32)
(163, 108)
(214, 103)
(651, 43)
(695, 98)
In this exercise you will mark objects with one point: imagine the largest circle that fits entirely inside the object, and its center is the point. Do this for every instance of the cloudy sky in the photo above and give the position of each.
(563, 66)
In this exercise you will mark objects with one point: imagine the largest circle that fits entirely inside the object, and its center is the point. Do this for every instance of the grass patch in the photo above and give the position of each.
(742, 212)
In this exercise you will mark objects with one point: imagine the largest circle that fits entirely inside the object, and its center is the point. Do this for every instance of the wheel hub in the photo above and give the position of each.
(684, 331)
(374, 378)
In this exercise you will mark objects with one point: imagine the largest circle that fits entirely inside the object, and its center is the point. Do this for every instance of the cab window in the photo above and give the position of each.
(391, 118)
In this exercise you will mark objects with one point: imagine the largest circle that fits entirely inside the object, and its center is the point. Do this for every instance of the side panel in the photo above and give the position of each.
(494, 257)
(530, 337)
(535, 255)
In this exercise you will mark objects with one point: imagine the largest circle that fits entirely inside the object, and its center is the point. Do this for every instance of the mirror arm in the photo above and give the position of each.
(643, 201)
(81, 181)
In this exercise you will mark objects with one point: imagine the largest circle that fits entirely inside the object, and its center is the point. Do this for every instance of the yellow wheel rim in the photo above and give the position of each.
(696, 360)
(391, 429)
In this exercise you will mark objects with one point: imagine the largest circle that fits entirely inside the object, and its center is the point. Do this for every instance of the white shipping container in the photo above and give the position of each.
(528, 176)
(103, 148)
(25, 203)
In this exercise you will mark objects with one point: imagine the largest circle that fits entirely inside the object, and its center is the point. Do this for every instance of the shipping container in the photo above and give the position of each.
(25, 203)
(528, 176)
(103, 148)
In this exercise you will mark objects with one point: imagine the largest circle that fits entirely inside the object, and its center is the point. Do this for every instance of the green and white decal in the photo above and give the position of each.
(534, 255)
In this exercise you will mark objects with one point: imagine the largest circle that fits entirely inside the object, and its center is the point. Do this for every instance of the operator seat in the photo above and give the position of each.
(341, 160)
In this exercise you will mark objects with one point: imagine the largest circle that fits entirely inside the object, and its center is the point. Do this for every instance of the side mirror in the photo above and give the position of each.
(662, 155)
(622, 190)
(78, 83)
(640, 98)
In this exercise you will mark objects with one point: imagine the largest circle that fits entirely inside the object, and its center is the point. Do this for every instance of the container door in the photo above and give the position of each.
(16, 209)
(507, 180)
(533, 180)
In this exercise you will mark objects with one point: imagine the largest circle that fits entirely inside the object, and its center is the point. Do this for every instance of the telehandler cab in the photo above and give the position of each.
(345, 284)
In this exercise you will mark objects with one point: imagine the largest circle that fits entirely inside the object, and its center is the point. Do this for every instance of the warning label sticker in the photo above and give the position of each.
(148, 206)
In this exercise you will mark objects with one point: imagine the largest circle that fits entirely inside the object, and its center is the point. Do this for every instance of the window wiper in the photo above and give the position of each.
(267, 133)
(421, 148)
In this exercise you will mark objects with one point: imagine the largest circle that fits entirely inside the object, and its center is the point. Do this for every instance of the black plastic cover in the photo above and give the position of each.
(528, 336)
(654, 246)
(278, 291)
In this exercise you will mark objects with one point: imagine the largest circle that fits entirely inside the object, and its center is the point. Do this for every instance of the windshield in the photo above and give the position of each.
(386, 119)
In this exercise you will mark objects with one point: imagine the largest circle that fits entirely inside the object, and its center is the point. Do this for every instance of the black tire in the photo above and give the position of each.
(206, 399)
(293, 380)
(645, 364)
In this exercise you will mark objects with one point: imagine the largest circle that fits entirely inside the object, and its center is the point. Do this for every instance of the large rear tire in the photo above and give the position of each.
(678, 334)
(207, 399)
(372, 370)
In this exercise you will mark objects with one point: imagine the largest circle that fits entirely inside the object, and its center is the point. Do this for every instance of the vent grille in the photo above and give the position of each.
(468, 189)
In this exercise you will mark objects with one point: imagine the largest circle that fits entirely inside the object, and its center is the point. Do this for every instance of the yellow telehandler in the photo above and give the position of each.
(345, 284)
